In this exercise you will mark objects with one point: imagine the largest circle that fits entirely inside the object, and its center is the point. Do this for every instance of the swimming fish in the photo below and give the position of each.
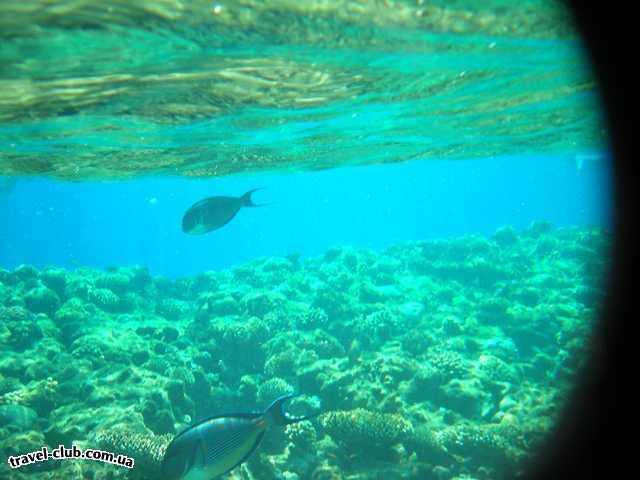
(214, 212)
(218, 444)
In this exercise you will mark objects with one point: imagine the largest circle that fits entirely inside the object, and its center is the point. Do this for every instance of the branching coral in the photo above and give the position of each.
(42, 396)
(312, 317)
(361, 428)
(448, 363)
(104, 299)
(272, 389)
(145, 448)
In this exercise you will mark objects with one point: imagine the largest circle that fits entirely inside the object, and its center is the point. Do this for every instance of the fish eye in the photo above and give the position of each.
(319, 239)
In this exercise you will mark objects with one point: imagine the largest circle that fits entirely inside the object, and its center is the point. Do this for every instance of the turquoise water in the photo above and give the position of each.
(138, 222)
(427, 269)
(91, 92)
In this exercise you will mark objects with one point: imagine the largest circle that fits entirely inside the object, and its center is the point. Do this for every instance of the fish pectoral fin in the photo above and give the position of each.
(180, 456)
(175, 463)
(173, 468)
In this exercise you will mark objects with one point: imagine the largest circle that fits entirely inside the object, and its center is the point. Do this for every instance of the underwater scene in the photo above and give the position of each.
(281, 240)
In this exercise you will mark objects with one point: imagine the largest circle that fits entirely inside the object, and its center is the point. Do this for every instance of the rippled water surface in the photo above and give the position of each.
(95, 89)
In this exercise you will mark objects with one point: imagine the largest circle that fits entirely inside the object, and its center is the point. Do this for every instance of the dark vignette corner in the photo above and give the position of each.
(589, 441)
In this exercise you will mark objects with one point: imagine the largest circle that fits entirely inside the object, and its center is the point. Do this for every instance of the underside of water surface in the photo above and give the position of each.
(200, 88)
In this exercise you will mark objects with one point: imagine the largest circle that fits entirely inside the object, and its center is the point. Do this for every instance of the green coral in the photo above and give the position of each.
(279, 320)
(72, 318)
(184, 375)
(157, 414)
(41, 395)
(303, 435)
(258, 304)
(8, 384)
(242, 343)
(104, 299)
(146, 449)
(250, 335)
(449, 364)
(281, 364)
(115, 281)
(312, 317)
(378, 325)
(272, 389)
(325, 345)
(25, 272)
(42, 300)
(55, 279)
(336, 303)
(24, 334)
(471, 440)
(27, 441)
(424, 385)
(467, 397)
(479, 363)
(506, 236)
(417, 342)
(173, 309)
(361, 428)
(496, 370)
(217, 304)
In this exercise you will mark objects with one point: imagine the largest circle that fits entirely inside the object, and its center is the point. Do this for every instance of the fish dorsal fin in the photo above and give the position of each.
(229, 415)
(214, 417)
(201, 202)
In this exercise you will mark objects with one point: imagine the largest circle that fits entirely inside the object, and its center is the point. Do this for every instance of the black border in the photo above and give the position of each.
(597, 431)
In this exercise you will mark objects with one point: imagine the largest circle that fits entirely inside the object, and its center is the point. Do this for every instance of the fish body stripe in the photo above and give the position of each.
(217, 445)
(226, 443)
(231, 440)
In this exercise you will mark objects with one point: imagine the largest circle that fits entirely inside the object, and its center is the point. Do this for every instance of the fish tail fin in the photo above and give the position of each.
(277, 414)
(247, 201)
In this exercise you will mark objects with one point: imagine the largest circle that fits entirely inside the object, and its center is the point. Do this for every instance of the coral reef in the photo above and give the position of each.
(147, 449)
(359, 428)
(104, 298)
(271, 389)
(438, 359)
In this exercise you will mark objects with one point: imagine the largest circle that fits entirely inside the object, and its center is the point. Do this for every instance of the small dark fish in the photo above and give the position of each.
(219, 444)
(214, 212)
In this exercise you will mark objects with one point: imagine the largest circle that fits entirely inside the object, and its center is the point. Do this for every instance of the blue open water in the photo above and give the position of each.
(131, 222)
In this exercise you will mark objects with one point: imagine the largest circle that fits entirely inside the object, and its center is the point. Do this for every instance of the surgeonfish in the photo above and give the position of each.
(214, 212)
(218, 444)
